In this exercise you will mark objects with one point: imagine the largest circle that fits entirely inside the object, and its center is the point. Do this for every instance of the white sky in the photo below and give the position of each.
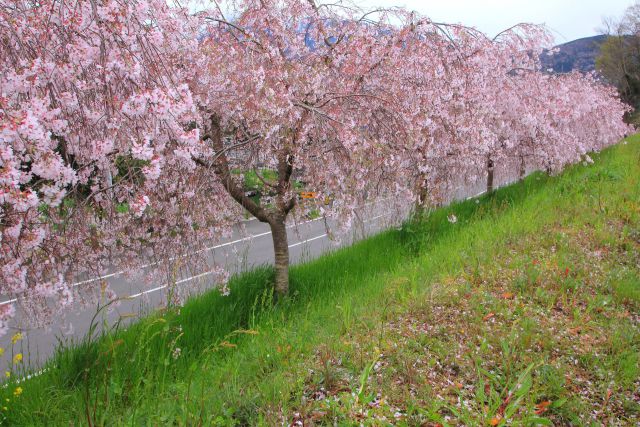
(568, 19)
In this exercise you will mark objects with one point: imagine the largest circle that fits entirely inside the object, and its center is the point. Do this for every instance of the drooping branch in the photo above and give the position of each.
(222, 170)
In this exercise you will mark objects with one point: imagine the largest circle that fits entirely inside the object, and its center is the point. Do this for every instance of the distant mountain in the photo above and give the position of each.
(577, 55)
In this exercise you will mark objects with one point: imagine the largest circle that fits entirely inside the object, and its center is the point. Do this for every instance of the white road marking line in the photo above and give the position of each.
(376, 217)
(244, 239)
(308, 240)
(106, 276)
(145, 292)
(197, 276)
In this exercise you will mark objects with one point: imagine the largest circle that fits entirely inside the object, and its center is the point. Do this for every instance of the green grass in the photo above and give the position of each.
(523, 311)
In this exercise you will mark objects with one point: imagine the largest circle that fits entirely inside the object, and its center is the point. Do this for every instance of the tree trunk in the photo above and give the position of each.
(423, 195)
(490, 167)
(281, 250)
(523, 168)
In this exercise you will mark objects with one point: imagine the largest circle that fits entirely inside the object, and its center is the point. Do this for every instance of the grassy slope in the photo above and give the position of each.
(525, 309)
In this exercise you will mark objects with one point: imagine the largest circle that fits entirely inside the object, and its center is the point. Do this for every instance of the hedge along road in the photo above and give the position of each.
(249, 246)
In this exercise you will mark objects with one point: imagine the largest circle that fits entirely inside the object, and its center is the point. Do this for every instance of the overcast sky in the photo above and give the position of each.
(568, 19)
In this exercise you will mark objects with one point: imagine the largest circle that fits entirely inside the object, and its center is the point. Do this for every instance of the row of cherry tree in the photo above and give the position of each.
(123, 124)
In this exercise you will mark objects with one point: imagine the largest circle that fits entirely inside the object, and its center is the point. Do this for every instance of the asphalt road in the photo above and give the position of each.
(249, 246)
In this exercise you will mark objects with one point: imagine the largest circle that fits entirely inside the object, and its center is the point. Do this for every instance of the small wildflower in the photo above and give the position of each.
(176, 353)
(7, 374)
(17, 337)
(452, 219)
(1, 351)
(17, 392)
(17, 358)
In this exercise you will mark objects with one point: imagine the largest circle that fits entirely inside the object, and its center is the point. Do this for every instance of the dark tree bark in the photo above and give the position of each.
(281, 251)
(490, 168)
(523, 168)
(422, 203)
